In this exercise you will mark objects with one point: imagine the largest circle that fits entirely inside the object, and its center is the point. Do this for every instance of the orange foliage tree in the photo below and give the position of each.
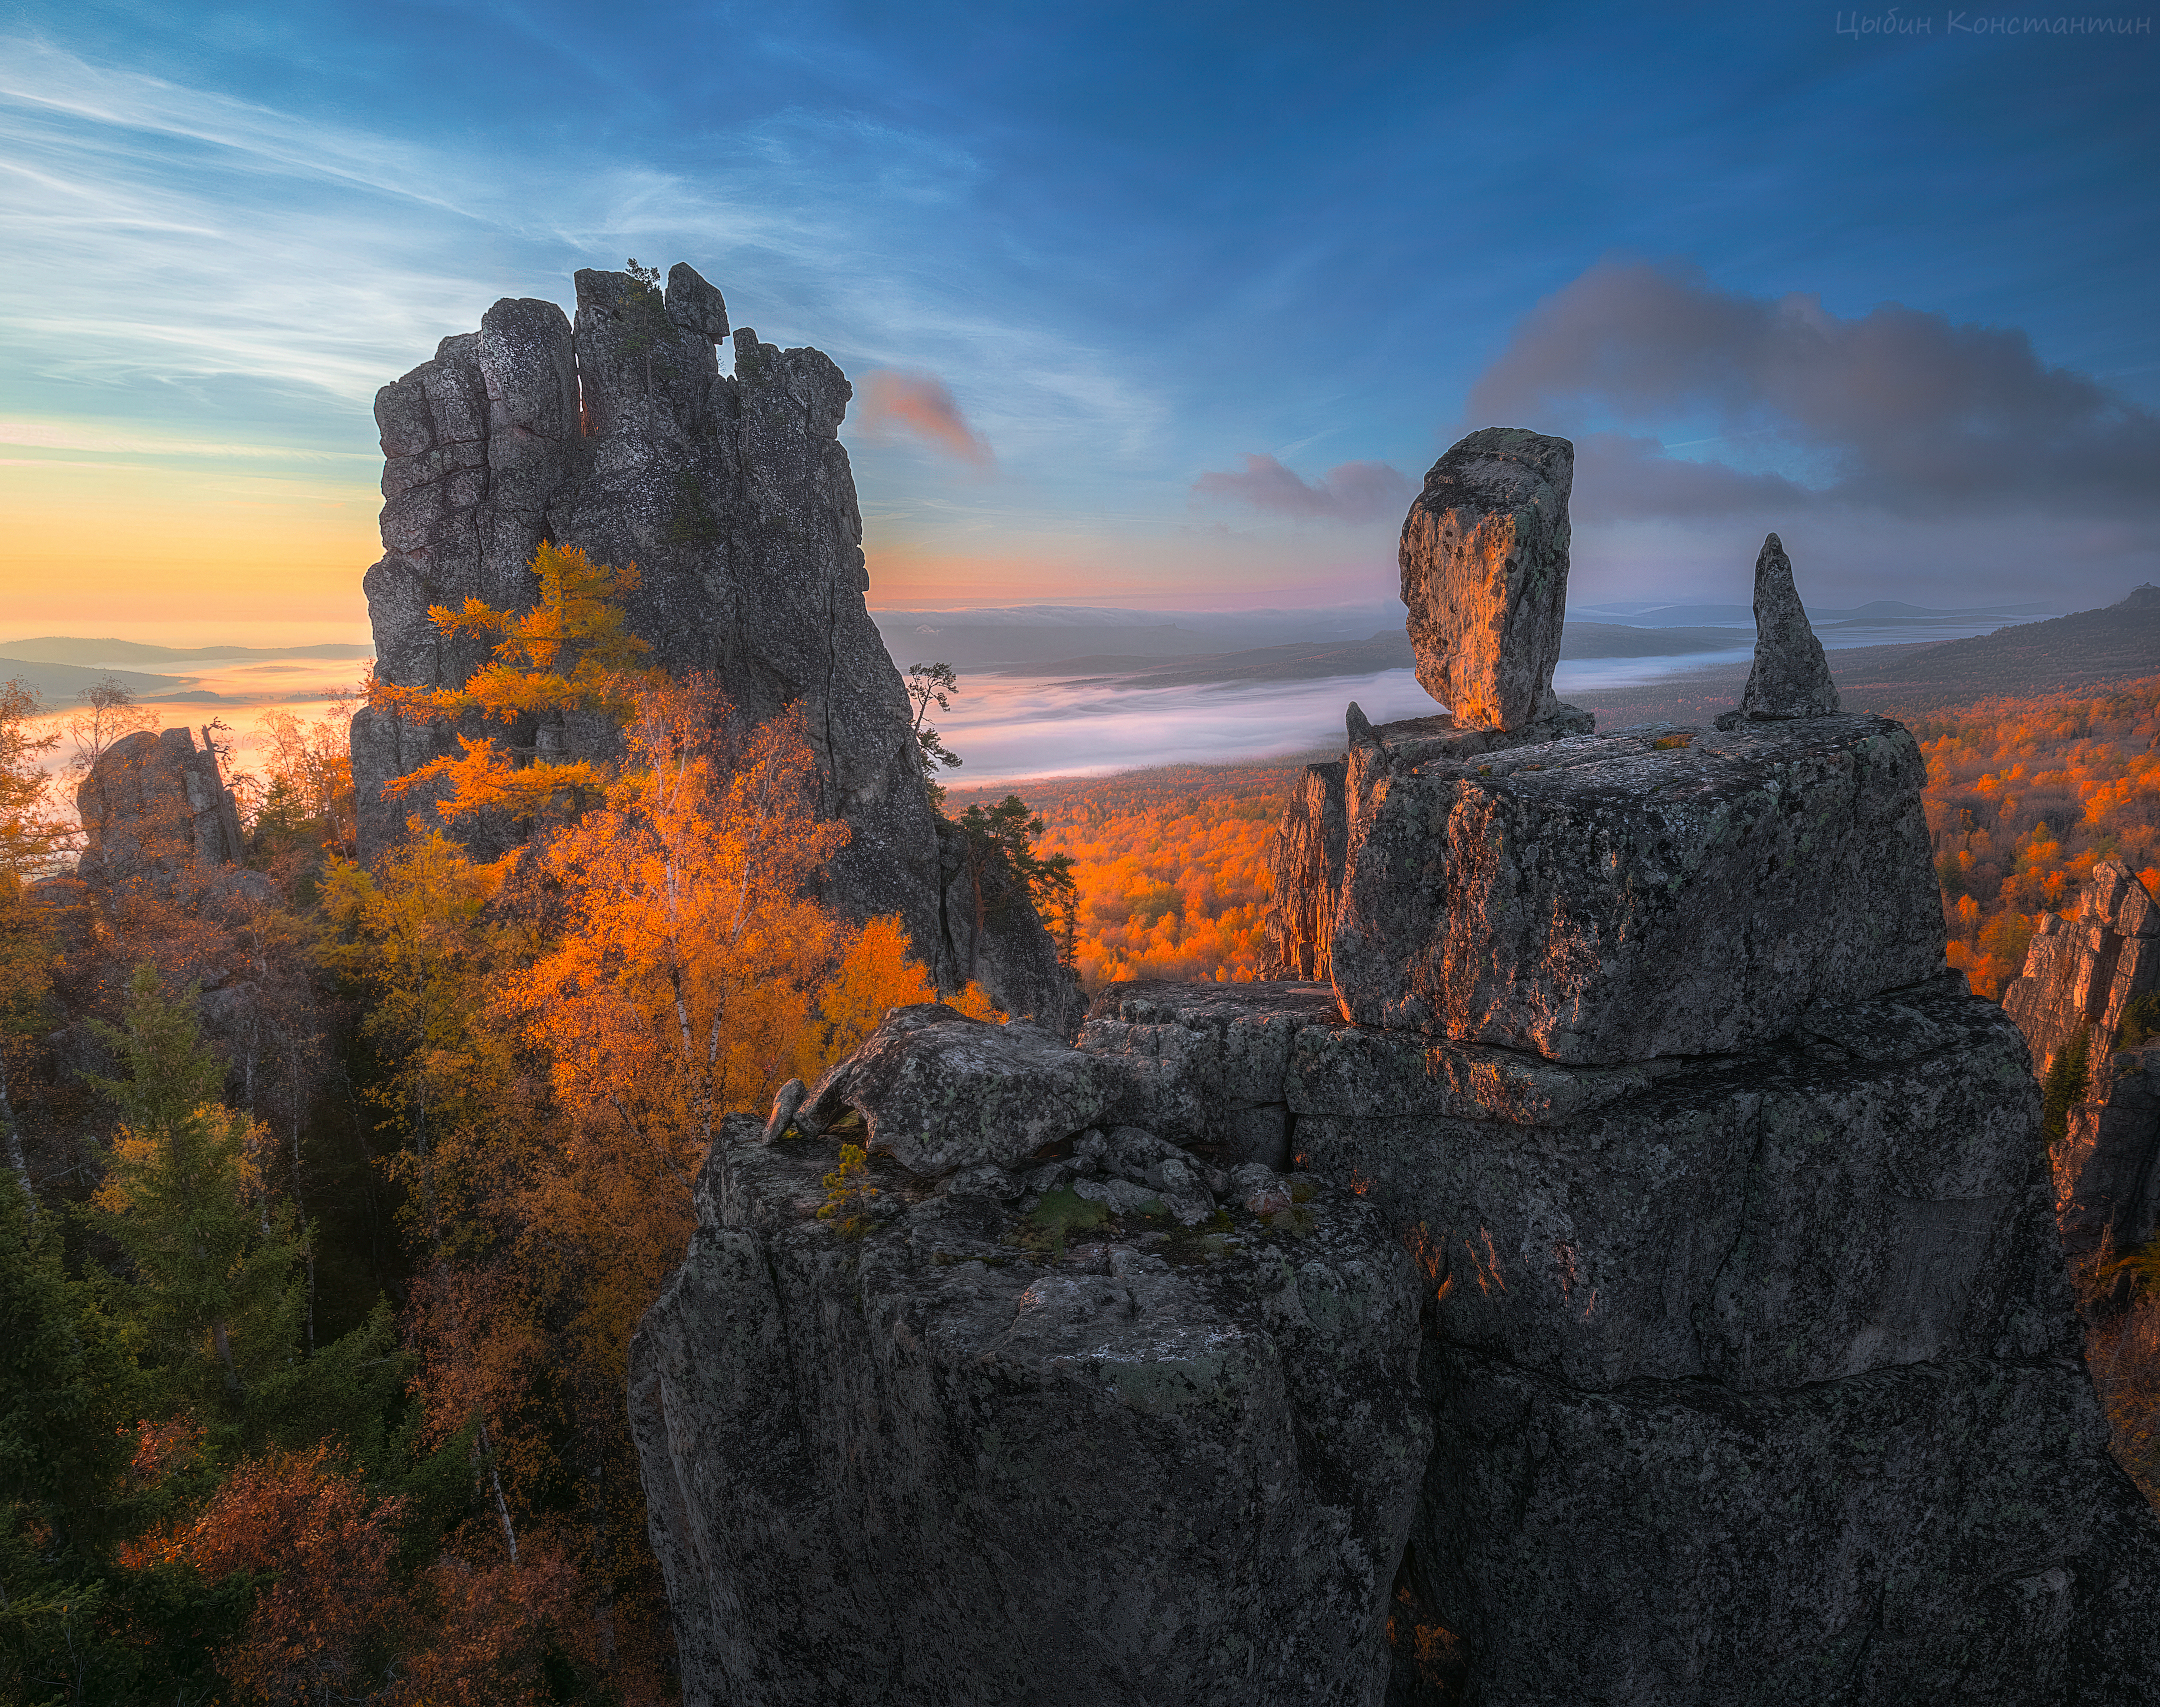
(573, 654)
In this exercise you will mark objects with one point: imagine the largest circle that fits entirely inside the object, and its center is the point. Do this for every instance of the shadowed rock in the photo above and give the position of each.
(1791, 677)
(155, 804)
(962, 1459)
(1484, 571)
(939, 1091)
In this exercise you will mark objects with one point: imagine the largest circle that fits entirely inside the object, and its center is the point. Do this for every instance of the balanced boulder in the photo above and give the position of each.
(1484, 560)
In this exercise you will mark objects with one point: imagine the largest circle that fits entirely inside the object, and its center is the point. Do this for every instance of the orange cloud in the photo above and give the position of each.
(919, 403)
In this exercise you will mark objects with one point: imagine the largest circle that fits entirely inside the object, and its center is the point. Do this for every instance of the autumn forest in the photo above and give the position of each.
(318, 1288)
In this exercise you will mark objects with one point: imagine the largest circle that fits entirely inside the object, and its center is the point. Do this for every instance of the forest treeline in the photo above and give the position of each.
(336, 1193)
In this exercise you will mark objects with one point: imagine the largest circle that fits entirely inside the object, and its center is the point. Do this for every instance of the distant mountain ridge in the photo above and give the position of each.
(70, 649)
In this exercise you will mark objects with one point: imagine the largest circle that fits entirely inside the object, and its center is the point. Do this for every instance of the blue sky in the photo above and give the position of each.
(1173, 304)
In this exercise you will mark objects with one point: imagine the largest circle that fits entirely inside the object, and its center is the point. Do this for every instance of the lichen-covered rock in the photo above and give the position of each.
(2081, 974)
(1484, 571)
(1790, 677)
(1622, 897)
(1305, 860)
(941, 1092)
(155, 804)
(1673, 1227)
(732, 493)
(1206, 1064)
(1016, 1444)
(1934, 1532)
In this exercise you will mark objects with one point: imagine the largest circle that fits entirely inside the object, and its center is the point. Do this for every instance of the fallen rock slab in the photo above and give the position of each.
(940, 1092)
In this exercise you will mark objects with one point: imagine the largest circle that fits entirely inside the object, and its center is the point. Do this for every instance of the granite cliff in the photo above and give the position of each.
(1629, 1275)
(617, 432)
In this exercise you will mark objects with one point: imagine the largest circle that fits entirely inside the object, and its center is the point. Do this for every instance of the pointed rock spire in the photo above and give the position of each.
(1791, 677)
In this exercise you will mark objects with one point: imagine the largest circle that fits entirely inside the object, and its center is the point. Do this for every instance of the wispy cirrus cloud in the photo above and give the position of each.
(1348, 492)
(921, 404)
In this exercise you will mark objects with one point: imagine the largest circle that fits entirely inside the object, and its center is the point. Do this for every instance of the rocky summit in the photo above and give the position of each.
(618, 433)
(1629, 1272)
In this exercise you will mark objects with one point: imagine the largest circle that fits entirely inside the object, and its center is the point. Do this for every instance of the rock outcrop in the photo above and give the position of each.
(1614, 898)
(1790, 677)
(1029, 1436)
(1484, 577)
(732, 493)
(1749, 1361)
(2082, 974)
(2090, 980)
(155, 805)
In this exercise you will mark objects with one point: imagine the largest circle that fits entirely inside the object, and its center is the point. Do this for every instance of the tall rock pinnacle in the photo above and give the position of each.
(1484, 571)
(618, 433)
(1791, 677)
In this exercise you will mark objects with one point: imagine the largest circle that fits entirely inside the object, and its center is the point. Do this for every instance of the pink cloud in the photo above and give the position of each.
(920, 403)
(1348, 492)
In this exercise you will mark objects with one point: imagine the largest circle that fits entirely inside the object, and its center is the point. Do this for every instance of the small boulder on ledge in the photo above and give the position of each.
(939, 1091)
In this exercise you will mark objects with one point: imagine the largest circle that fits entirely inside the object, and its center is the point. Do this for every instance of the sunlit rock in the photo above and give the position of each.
(1484, 559)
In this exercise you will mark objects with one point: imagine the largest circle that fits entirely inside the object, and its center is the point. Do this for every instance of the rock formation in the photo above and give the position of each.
(1029, 1435)
(1790, 677)
(733, 495)
(1484, 573)
(1613, 898)
(1748, 1361)
(2082, 974)
(2081, 981)
(155, 804)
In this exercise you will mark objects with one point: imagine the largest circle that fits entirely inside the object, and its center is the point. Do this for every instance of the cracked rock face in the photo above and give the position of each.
(1030, 1437)
(1790, 677)
(1614, 898)
(1484, 571)
(618, 433)
(940, 1092)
